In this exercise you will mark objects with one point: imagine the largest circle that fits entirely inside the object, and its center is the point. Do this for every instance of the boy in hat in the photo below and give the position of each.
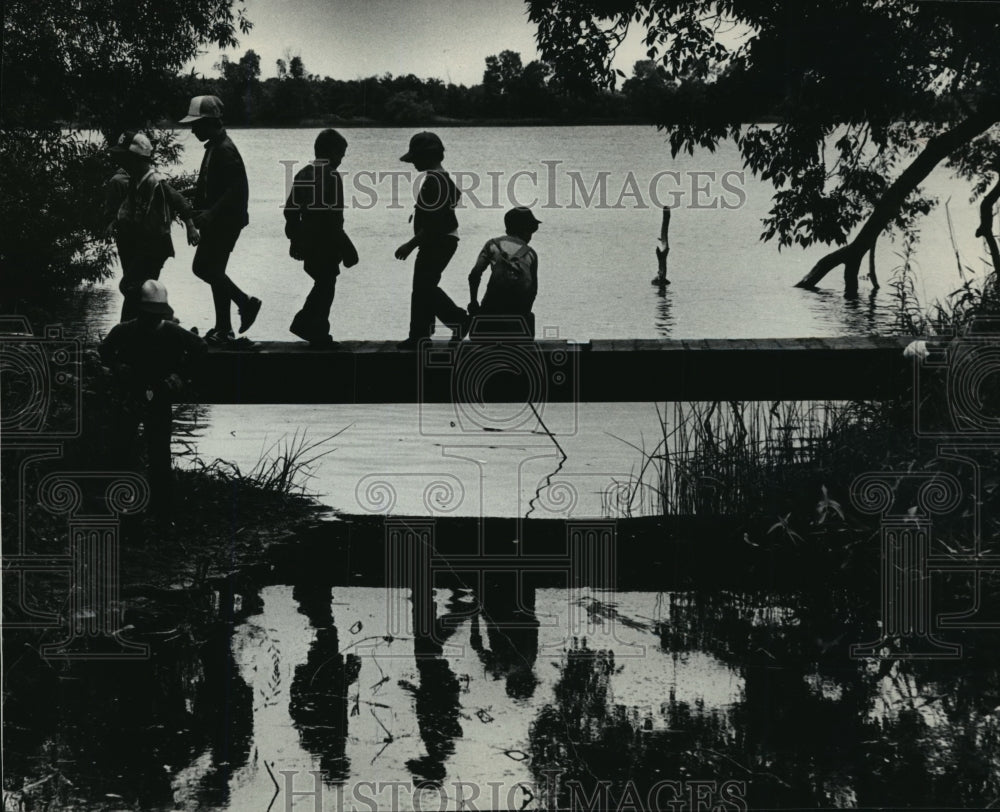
(221, 198)
(314, 224)
(150, 356)
(513, 283)
(435, 236)
(141, 206)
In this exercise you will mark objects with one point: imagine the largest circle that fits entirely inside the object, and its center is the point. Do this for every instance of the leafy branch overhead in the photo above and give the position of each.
(113, 60)
(871, 95)
(113, 64)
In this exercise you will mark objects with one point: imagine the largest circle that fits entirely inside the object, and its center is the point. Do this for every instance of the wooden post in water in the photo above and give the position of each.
(663, 249)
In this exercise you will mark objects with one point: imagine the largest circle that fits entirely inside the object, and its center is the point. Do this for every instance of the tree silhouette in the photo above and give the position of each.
(872, 95)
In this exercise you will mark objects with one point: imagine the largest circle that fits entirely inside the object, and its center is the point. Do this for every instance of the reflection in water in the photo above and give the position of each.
(753, 690)
(507, 609)
(436, 697)
(871, 311)
(664, 320)
(865, 314)
(224, 710)
(318, 694)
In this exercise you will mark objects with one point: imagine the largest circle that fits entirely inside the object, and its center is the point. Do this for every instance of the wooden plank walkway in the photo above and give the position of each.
(559, 371)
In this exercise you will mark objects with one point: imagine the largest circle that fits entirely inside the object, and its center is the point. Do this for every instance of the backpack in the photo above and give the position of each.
(511, 276)
(147, 214)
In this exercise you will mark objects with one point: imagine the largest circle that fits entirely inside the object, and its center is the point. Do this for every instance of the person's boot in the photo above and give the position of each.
(460, 331)
(303, 328)
(248, 314)
(218, 338)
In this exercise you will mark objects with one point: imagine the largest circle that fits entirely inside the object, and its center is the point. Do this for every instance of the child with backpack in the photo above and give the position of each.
(314, 225)
(513, 283)
(142, 206)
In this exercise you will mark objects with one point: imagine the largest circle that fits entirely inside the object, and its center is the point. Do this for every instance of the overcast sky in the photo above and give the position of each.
(347, 39)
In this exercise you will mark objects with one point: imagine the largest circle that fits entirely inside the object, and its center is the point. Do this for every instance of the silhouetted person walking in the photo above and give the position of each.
(435, 236)
(221, 198)
(314, 224)
(140, 207)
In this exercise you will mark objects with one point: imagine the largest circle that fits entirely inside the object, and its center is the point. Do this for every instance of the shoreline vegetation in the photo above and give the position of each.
(321, 122)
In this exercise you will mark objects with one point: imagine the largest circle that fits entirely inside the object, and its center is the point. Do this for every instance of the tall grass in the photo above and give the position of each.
(977, 295)
(730, 458)
(283, 469)
(745, 458)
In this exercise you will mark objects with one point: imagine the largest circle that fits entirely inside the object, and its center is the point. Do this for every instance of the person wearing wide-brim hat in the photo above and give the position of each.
(221, 202)
(435, 237)
(140, 207)
(151, 357)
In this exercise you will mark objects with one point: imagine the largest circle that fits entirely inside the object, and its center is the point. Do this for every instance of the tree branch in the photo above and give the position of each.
(937, 149)
(985, 229)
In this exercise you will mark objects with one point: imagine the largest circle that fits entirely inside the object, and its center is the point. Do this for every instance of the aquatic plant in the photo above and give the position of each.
(283, 469)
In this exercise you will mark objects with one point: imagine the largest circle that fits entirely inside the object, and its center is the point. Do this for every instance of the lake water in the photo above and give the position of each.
(596, 263)
(301, 688)
(303, 697)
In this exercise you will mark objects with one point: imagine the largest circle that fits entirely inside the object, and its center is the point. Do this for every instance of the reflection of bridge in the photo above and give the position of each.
(560, 371)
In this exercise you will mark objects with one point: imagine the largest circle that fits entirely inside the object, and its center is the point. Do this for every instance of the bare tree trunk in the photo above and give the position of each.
(937, 149)
(872, 276)
(985, 229)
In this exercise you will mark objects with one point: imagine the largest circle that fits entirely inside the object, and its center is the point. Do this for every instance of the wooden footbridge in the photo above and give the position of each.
(559, 371)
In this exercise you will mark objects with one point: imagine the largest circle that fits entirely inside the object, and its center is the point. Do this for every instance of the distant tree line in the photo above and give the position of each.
(509, 91)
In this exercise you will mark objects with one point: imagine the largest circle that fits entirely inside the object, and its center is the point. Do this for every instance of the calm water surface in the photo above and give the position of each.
(314, 676)
(595, 263)
(532, 693)
(595, 268)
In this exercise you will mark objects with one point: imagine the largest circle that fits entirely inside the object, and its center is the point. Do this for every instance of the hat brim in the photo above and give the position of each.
(190, 119)
(412, 154)
(156, 308)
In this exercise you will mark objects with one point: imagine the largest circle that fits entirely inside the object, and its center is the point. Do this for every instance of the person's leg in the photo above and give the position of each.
(446, 310)
(141, 268)
(443, 307)
(129, 287)
(316, 310)
(210, 261)
(425, 300)
(155, 266)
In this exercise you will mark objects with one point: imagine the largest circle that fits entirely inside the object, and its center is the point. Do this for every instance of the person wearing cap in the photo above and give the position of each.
(513, 283)
(140, 207)
(314, 225)
(221, 200)
(435, 236)
(150, 357)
